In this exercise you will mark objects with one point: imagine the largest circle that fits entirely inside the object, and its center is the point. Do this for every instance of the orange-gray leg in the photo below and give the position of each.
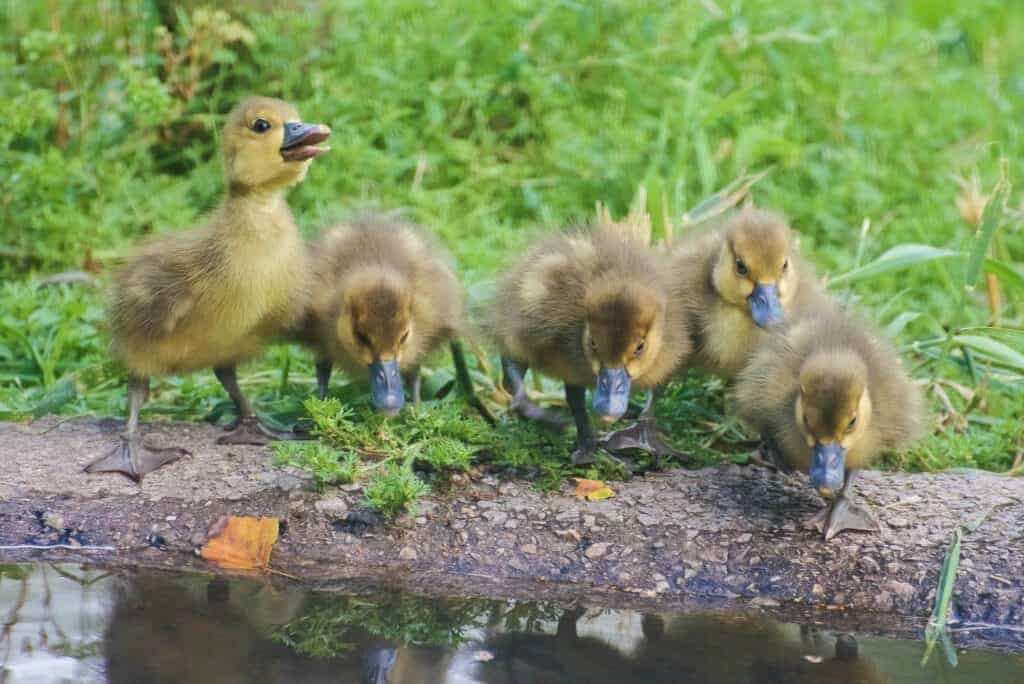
(131, 457)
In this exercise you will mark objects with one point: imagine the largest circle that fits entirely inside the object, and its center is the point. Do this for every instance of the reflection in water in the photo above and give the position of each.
(66, 624)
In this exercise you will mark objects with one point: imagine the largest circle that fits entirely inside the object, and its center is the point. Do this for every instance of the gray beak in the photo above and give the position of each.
(828, 468)
(765, 308)
(301, 140)
(611, 396)
(386, 389)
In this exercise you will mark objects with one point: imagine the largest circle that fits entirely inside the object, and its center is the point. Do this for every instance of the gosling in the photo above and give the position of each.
(384, 299)
(738, 282)
(214, 296)
(829, 396)
(592, 307)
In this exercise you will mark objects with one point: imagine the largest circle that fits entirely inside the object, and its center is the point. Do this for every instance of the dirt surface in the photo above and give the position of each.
(721, 539)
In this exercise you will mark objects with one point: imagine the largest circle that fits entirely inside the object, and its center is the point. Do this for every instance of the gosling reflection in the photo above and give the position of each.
(199, 631)
(167, 630)
(749, 651)
(684, 650)
(560, 658)
(845, 666)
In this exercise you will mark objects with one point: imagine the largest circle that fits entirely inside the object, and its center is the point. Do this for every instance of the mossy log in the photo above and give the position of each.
(726, 538)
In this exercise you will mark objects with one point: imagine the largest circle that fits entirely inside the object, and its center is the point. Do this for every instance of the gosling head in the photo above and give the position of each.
(833, 411)
(267, 146)
(375, 327)
(622, 336)
(755, 268)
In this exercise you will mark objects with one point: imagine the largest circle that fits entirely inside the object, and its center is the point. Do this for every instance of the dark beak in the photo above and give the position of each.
(300, 140)
(386, 387)
(611, 398)
(828, 468)
(378, 664)
(765, 307)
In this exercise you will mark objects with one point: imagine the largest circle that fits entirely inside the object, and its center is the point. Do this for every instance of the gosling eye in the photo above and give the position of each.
(405, 337)
(260, 125)
(593, 345)
(785, 265)
(852, 424)
(640, 349)
(362, 339)
(741, 267)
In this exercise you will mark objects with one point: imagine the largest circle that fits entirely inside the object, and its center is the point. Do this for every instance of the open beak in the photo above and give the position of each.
(386, 387)
(765, 307)
(611, 398)
(301, 140)
(828, 468)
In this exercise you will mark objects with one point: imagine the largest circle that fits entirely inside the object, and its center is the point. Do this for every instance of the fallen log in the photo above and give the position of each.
(726, 538)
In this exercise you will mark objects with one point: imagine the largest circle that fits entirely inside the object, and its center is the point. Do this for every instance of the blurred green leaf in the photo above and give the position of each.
(993, 350)
(1008, 274)
(60, 394)
(937, 626)
(990, 221)
(900, 322)
(896, 259)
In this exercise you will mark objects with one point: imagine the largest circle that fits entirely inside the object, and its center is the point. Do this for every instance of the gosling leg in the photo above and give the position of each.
(414, 381)
(131, 457)
(586, 445)
(323, 378)
(844, 513)
(645, 435)
(512, 378)
(464, 383)
(768, 456)
(247, 428)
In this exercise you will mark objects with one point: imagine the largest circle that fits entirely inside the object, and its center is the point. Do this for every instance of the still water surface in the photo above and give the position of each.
(72, 624)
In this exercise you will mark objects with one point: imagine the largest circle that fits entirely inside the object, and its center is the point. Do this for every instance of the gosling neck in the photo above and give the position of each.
(254, 214)
(266, 199)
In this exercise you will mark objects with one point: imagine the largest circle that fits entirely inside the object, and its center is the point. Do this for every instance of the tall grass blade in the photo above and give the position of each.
(896, 259)
(990, 221)
(1011, 336)
(937, 626)
(900, 322)
(937, 630)
(993, 350)
(1008, 275)
(723, 200)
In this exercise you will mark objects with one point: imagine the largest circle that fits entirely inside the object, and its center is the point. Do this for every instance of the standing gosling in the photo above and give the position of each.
(738, 281)
(383, 299)
(829, 395)
(212, 297)
(586, 307)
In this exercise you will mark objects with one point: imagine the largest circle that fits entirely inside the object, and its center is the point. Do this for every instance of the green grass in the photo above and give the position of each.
(489, 123)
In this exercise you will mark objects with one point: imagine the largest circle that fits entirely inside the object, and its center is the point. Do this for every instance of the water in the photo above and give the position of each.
(73, 624)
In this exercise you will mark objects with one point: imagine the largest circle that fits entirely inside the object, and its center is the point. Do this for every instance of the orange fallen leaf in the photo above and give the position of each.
(241, 543)
(593, 490)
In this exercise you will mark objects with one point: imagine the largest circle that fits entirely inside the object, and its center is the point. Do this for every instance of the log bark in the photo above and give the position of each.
(725, 538)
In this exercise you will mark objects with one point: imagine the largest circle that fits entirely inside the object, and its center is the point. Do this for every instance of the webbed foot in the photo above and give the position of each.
(767, 456)
(525, 408)
(584, 453)
(843, 514)
(252, 430)
(644, 435)
(134, 459)
(475, 402)
(587, 453)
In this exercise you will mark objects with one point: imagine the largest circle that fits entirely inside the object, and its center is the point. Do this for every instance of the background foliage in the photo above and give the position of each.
(880, 124)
